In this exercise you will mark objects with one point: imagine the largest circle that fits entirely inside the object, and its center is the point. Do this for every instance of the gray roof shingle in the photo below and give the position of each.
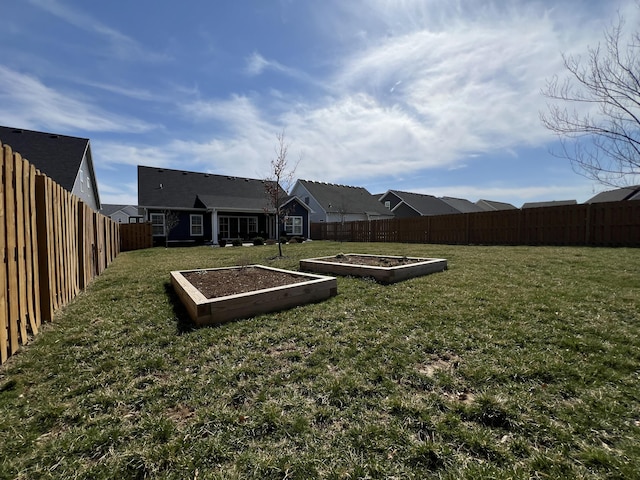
(168, 188)
(425, 204)
(57, 156)
(462, 205)
(625, 193)
(344, 198)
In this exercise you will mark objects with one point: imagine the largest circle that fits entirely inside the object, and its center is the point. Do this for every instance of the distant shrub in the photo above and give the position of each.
(271, 241)
(298, 239)
(237, 242)
(258, 241)
(284, 239)
(222, 242)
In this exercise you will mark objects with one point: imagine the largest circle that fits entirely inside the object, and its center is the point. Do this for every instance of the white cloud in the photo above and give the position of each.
(256, 64)
(29, 103)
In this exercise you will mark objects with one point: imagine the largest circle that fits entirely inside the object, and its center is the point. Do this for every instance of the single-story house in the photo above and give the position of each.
(66, 160)
(407, 204)
(617, 195)
(492, 205)
(329, 202)
(122, 213)
(209, 208)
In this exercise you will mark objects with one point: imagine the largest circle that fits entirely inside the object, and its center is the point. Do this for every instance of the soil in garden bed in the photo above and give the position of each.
(375, 261)
(225, 282)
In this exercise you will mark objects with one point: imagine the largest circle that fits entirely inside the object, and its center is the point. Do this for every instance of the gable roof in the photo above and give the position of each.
(108, 209)
(552, 203)
(168, 188)
(423, 204)
(619, 194)
(57, 156)
(491, 205)
(462, 205)
(344, 198)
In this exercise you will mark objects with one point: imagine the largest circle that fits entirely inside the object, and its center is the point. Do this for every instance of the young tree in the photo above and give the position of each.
(171, 221)
(604, 144)
(279, 182)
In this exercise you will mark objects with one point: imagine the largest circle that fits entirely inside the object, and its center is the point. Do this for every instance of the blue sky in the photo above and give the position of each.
(430, 96)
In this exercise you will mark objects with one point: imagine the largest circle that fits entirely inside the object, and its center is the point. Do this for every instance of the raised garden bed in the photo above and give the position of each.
(217, 295)
(383, 268)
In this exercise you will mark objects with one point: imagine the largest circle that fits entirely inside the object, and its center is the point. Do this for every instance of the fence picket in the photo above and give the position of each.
(12, 257)
(20, 248)
(4, 325)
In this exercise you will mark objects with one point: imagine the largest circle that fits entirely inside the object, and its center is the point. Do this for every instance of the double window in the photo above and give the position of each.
(157, 224)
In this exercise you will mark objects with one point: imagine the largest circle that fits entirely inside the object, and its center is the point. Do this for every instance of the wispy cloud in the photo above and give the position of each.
(29, 103)
(121, 45)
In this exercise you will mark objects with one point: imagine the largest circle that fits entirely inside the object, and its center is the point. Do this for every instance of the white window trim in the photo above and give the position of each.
(290, 227)
(201, 225)
(154, 224)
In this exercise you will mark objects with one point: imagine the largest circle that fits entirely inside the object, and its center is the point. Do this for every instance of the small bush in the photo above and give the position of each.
(271, 241)
(222, 242)
(298, 239)
(237, 242)
(258, 241)
(284, 239)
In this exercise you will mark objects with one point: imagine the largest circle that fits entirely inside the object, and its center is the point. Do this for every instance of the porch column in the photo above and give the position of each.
(214, 226)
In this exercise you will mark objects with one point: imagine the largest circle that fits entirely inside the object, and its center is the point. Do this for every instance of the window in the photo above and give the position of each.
(293, 225)
(387, 204)
(197, 227)
(157, 224)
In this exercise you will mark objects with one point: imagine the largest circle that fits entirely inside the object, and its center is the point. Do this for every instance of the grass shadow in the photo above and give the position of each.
(184, 324)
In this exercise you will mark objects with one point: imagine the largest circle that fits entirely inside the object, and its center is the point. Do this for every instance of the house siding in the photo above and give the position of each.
(392, 198)
(83, 186)
(182, 231)
(317, 213)
(405, 211)
(294, 209)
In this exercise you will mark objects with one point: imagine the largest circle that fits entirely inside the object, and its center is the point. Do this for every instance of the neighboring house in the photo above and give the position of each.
(66, 160)
(552, 203)
(406, 204)
(329, 202)
(617, 195)
(212, 207)
(462, 205)
(492, 206)
(122, 213)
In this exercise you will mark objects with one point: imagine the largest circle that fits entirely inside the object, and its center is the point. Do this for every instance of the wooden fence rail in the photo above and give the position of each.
(51, 246)
(597, 224)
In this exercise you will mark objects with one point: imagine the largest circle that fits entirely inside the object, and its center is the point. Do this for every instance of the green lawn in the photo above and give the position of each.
(516, 362)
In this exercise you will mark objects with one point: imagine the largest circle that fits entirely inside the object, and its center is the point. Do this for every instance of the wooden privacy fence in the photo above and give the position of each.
(51, 246)
(135, 236)
(596, 224)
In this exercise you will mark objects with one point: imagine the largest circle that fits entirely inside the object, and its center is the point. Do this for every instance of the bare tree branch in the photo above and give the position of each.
(604, 143)
(279, 182)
